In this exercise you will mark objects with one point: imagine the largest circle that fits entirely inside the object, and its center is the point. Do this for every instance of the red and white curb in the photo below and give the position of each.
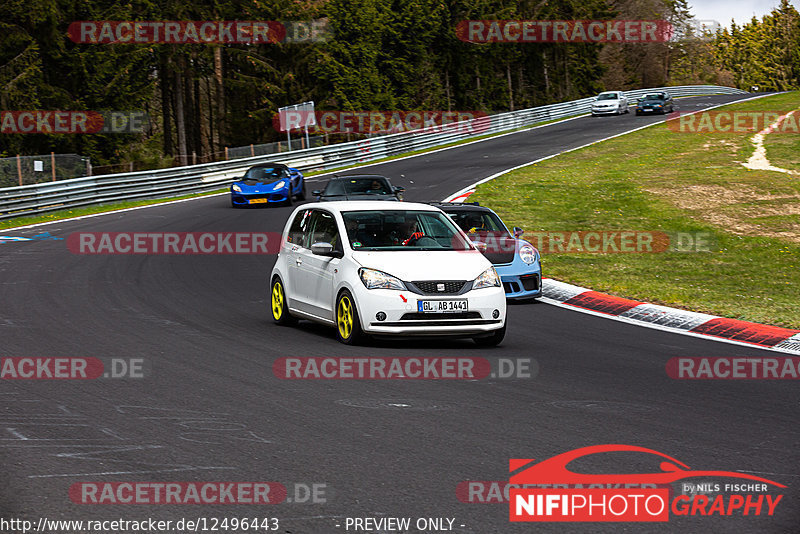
(671, 319)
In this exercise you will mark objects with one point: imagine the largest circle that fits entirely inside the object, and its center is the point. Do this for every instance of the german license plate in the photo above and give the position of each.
(442, 306)
(258, 201)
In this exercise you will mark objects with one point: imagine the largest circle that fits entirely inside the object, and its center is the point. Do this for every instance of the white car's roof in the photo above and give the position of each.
(367, 205)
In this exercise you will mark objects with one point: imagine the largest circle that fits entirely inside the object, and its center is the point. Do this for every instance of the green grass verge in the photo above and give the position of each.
(660, 180)
(783, 149)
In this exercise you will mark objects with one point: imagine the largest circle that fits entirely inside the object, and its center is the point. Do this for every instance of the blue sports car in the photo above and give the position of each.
(268, 183)
(515, 260)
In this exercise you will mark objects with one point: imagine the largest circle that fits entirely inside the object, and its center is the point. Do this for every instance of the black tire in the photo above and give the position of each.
(491, 340)
(302, 194)
(289, 197)
(348, 326)
(280, 310)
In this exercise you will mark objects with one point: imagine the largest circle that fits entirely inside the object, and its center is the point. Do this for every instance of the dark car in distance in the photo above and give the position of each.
(653, 103)
(359, 187)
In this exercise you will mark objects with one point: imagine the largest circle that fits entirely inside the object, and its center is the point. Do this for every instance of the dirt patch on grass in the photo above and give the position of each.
(727, 143)
(742, 203)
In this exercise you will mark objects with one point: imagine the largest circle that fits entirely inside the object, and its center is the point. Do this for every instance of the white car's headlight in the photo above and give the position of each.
(374, 279)
(280, 185)
(236, 188)
(488, 278)
(527, 254)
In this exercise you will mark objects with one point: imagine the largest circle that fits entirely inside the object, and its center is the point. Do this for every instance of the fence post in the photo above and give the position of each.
(88, 167)
(53, 164)
(131, 166)
(302, 142)
(226, 153)
(19, 169)
(252, 151)
(194, 157)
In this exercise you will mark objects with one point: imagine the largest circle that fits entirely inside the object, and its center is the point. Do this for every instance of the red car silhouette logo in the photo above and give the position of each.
(554, 470)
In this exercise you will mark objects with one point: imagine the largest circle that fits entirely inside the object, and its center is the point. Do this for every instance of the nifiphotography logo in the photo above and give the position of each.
(548, 491)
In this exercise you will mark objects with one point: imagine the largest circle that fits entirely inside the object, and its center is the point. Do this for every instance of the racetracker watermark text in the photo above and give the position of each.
(70, 368)
(388, 121)
(403, 368)
(564, 31)
(745, 122)
(599, 242)
(73, 122)
(198, 31)
(191, 243)
(734, 368)
(177, 493)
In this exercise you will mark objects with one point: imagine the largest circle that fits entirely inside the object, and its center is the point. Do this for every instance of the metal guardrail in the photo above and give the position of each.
(65, 194)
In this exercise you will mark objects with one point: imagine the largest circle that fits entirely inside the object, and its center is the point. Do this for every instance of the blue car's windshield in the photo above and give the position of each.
(265, 174)
(477, 221)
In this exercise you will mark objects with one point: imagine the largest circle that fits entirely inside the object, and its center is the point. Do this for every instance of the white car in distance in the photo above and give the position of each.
(380, 268)
(610, 103)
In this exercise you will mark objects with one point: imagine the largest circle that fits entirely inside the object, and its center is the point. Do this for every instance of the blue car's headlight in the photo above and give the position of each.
(280, 185)
(488, 278)
(527, 254)
(236, 188)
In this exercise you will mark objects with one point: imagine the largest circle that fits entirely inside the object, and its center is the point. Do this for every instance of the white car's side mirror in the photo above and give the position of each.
(323, 249)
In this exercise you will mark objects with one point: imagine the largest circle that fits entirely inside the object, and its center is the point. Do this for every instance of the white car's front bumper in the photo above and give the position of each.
(601, 111)
(403, 318)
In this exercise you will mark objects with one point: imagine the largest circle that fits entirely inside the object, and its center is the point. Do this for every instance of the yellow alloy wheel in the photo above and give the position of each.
(277, 300)
(344, 317)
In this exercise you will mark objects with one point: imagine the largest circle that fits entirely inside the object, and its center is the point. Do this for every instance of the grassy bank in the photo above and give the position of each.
(659, 180)
(783, 150)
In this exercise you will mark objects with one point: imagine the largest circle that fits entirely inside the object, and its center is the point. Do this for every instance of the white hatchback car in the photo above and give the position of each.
(610, 102)
(371, 267)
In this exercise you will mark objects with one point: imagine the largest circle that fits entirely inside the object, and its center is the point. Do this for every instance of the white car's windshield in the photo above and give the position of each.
(607, 96)
(402, 230)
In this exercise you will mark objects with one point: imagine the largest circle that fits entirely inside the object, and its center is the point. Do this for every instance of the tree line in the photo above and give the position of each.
(380, 55)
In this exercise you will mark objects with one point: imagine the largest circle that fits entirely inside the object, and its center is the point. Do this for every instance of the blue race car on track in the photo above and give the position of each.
(515, 260)
(268, 183)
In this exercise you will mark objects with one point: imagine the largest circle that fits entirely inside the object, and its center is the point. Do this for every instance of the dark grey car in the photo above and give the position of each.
(655, 103)
(359, 187)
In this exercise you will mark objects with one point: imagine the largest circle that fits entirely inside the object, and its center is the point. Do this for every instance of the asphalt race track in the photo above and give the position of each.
(210, 407)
